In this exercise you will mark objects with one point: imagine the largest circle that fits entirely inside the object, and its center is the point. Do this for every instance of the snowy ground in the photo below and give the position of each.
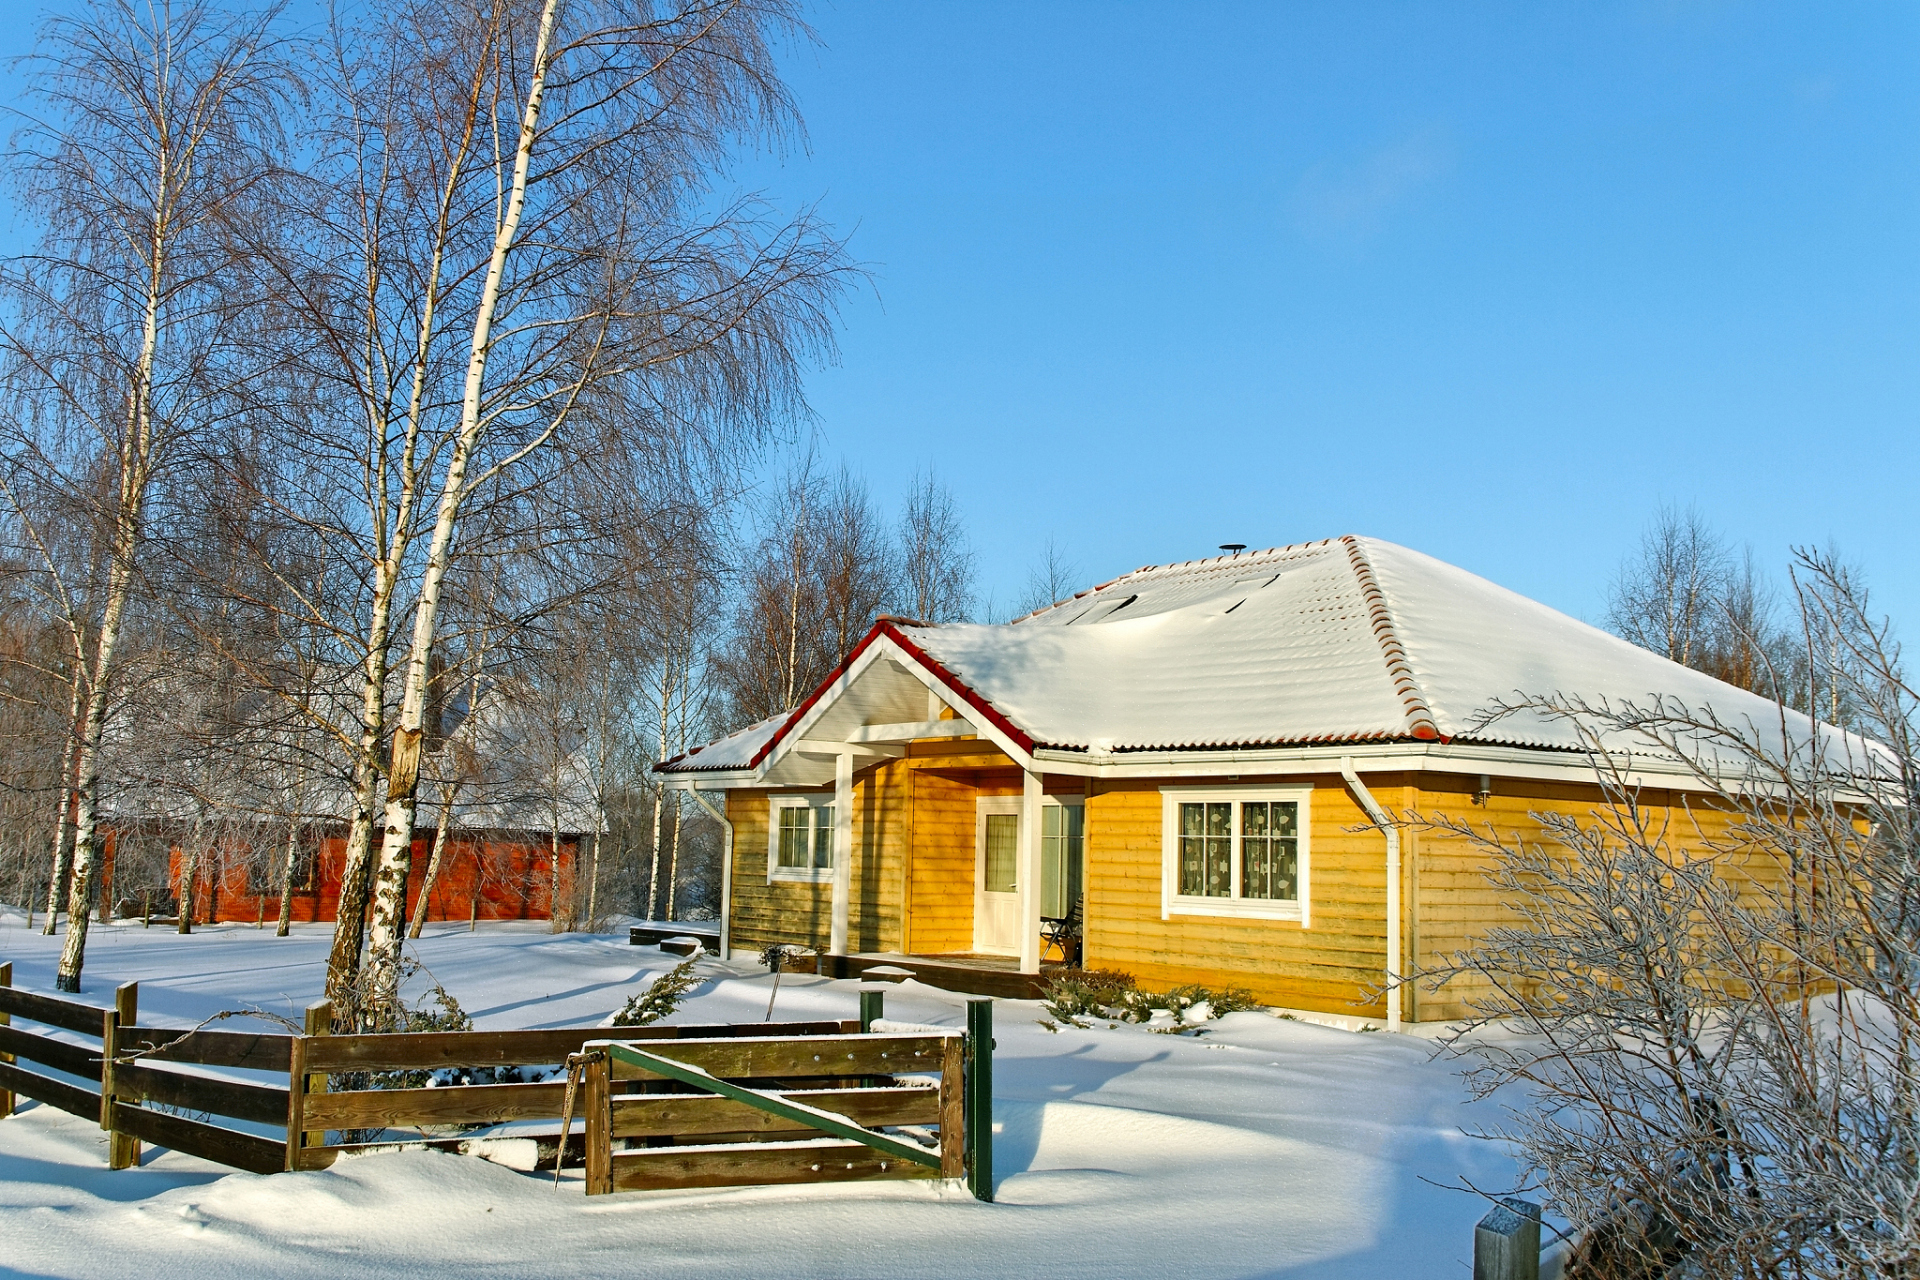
(1265, 1148)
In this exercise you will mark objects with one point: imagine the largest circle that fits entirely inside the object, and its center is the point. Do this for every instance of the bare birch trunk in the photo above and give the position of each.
(189, 872)
(63, 824)
(136, 456)
(350, 913)
(593, 872)
(433, 865)
(403, 776)
(653, 873)
(673, 864)
(553, 873)
(285, 926)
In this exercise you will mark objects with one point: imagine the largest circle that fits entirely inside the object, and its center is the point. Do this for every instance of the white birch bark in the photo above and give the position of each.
(287, 865)
(136, 464)
(390, 885)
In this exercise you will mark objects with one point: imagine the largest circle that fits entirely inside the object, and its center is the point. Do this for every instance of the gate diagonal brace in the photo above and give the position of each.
(787, 1109)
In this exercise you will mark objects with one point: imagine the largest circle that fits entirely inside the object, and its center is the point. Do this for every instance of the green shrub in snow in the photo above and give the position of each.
(1074, 994)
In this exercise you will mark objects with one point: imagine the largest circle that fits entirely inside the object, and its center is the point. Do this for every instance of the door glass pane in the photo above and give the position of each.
(795, 826)
(1003, 843)
(823, 836)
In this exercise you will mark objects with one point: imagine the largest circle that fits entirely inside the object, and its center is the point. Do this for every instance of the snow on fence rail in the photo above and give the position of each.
(687, 1106)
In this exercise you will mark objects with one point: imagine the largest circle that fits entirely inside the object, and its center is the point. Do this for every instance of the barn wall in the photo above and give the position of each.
(489, 876)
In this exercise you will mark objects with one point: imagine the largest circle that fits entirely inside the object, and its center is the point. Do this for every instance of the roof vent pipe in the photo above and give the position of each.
(1233, 548)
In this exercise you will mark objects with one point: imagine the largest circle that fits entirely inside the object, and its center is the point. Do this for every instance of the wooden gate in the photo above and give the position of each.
(756, 1110)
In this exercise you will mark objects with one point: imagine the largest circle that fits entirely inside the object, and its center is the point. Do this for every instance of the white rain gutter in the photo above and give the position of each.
(1380, 819)
(726, 872)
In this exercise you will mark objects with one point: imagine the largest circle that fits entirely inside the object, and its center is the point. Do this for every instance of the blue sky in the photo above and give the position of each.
(1493, 281)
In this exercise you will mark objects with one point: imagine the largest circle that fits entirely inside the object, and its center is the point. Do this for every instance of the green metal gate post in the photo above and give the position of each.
(979, 1097)
(873, 1006)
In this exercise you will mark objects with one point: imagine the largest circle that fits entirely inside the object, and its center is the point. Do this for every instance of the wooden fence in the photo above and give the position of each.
(682, 1136)
(751, 1110)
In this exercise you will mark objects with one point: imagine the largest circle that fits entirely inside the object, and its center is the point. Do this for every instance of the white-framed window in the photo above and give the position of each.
(1239, 851)
(800, 838)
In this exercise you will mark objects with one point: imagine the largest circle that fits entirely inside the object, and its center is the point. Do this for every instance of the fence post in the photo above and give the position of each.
(123, 1149)
(1506, 1243)
(597, 1101)
(109, 1045)
(319, 1023)
(6, 1095)
(979, 1105)
(953, 1107)
(873, 1004)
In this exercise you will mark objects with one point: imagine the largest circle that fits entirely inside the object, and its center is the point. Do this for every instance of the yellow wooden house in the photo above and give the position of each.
(1206, 759)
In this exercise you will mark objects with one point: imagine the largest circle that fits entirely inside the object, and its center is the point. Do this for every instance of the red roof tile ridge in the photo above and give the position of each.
(1419, 715)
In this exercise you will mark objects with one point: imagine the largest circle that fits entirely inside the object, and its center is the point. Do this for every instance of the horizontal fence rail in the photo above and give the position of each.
(675, 1106)
(767, 1109)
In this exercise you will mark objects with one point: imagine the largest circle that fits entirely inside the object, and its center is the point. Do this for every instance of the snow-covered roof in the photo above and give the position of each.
(1345, 640)
(738, 750)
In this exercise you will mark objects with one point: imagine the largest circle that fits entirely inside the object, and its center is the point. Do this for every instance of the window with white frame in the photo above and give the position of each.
(1239, 852)
(800, 838)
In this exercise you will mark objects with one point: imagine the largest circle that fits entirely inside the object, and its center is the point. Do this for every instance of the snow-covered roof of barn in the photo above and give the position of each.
(1345, 640)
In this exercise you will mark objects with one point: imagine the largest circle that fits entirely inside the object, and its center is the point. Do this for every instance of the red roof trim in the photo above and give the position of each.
(885, 627)
(972, 699)
(807, 703)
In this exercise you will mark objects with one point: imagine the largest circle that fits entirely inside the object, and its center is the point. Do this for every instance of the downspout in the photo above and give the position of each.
(726, 872)
(1380, 819)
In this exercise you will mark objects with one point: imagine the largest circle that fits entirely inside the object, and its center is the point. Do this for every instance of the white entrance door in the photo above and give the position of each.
(996, 895)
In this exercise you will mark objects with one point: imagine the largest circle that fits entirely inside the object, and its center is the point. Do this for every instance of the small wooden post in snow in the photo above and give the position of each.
(123, 1149)
(1506, 1243)
(6, 980)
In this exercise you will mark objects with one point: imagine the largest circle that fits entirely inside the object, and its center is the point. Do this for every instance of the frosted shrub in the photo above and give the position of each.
(1718, 1051)
(661, 997)
(1077, 994)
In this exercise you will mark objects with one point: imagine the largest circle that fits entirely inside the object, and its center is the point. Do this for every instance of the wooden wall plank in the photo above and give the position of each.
(208, 1141)
(263, 1104)
(697, 1114)
(664, 1168)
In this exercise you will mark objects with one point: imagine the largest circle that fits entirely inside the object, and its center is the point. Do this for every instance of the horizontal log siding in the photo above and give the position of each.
(1326, 966)
(1456, 903)
(949, 776)
(914, 831)
(765, 913)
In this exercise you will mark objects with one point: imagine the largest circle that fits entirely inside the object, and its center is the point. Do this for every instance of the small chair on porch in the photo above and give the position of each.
(1063, 934)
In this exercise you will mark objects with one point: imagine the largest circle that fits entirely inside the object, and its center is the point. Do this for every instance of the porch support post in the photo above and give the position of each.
(842, 851)
(1030, 874)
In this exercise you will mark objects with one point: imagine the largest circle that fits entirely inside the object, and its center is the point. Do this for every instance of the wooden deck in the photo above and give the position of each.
(997, 976)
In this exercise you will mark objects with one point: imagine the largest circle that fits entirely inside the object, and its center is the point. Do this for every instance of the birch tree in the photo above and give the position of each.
(937, 566)
(609, 120)
(155, 123)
